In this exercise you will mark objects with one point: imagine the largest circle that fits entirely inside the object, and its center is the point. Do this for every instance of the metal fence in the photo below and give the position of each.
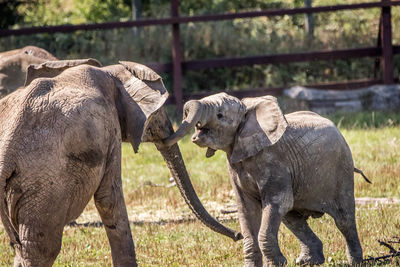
(383, 51)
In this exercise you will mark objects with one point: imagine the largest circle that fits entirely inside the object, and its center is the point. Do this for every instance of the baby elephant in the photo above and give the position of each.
(283, 168)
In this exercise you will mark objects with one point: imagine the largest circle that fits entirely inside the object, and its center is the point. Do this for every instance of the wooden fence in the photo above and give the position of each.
(384, 50)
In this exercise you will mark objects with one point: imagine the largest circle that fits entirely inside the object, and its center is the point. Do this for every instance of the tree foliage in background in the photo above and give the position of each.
(237, 38)
(9, 13)
(57, 12)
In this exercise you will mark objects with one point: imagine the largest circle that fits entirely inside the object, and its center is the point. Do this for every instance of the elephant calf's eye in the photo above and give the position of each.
(219, 115)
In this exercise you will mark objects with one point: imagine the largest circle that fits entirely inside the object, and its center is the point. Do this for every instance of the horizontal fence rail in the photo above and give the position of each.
(203, 18)
(274, 59)
(277, 91)
(384, 49)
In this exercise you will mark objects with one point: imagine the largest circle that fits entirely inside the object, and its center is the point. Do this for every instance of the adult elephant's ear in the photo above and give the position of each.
(145, 94)
(263, 126)
(50, 69)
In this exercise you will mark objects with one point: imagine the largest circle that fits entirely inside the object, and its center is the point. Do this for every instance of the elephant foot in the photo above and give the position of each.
(354, 255)
(308, 259)
(354, 261)
(253, 263)
(253, 259)
(276, 261)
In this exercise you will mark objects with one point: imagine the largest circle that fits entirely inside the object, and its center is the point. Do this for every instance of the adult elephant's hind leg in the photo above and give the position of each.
(17, 261)
(39, 244)
(110, 203)
(311, 247)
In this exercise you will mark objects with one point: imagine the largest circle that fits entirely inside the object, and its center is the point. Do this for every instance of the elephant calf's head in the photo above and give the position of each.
(241, 128)
(220, 116)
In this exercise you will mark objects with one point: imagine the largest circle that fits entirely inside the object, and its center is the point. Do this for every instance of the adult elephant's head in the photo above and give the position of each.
(138, 94)
(13, 65)
(242, 128)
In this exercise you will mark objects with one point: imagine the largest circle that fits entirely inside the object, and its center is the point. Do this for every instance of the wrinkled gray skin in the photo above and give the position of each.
(13, 65)
(60, 144)
(282, 168)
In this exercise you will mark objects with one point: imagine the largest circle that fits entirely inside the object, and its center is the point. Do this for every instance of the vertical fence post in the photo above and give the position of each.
(387, 48)
(309, 25)
(177, 58)
(378, 60)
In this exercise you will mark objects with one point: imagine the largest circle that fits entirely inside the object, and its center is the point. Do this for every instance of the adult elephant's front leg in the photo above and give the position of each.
(110, 203)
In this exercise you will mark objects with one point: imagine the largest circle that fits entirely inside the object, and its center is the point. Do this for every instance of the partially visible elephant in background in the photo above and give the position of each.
(13, 65)
(60, 144)
(283, 168)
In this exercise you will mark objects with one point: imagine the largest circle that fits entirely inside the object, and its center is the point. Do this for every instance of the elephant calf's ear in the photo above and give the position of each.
(50, 69)
(264, 125)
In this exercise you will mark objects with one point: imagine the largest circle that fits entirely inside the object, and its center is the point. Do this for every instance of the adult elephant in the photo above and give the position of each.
(13, 65)
(60, 144)
(283, 168)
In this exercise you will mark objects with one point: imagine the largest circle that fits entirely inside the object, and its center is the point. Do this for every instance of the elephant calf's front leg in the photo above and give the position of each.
(268, 236)
(249, 212)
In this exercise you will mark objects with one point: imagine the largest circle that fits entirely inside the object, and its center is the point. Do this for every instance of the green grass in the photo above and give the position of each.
(366, 120)
(375, 144)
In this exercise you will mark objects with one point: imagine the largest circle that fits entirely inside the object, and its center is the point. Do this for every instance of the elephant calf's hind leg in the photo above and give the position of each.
(347, 226)
(311, 247)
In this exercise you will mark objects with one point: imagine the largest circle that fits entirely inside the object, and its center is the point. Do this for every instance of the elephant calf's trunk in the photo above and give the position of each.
(192, 112)
(173, 158)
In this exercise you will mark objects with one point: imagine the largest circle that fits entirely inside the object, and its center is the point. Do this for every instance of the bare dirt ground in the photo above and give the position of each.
(145, 214)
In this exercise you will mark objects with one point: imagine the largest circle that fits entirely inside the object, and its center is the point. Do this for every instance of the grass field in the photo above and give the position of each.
(374, 139)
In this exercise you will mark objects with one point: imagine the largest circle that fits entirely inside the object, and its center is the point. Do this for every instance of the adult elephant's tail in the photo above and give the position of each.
(363, 175)
(6, 174)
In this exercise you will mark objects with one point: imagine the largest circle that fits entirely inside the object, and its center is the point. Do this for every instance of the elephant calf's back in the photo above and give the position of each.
(321, 160)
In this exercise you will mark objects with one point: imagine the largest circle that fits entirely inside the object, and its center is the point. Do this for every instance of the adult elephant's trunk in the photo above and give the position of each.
(192, 113)
(173, 158)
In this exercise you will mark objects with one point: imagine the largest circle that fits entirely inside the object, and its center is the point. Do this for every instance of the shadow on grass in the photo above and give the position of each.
(99, 224)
